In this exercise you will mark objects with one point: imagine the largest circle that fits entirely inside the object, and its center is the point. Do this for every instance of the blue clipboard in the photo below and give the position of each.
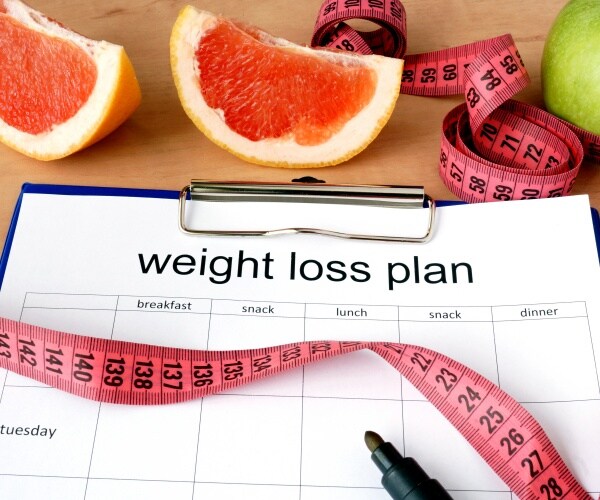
(149, 193)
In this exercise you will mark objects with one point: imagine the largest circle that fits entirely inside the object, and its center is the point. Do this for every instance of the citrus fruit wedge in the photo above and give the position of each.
(272, 102)
(59, 91)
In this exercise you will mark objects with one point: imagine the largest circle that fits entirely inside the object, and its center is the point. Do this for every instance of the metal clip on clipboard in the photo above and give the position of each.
(398, 197)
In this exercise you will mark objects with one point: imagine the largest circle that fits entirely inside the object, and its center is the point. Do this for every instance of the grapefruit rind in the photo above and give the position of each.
(356, 134)
(114, 98)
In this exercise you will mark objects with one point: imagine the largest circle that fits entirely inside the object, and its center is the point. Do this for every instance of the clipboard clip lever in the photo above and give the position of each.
(389, 196)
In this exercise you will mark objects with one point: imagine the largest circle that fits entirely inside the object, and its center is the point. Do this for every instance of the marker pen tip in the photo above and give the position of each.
(373, 440)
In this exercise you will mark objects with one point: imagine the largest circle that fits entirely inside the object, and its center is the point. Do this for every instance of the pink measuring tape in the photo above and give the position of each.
(493, 148)
(506, 436)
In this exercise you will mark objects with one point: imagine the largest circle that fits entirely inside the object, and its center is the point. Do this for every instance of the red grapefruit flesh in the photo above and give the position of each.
(25, 102)
(307, 97)
(272, 102)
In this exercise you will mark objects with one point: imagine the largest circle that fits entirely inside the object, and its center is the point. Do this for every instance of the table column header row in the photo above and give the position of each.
(518, 312)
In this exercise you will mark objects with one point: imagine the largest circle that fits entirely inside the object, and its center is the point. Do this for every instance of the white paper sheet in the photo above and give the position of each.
(509, 289)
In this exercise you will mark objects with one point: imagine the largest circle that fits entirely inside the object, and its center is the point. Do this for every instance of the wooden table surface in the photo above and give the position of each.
(159, 147)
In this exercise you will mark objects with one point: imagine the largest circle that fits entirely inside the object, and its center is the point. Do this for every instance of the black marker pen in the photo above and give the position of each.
(403, 477)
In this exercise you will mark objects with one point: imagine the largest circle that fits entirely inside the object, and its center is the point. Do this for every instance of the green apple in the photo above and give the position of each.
(571, 65)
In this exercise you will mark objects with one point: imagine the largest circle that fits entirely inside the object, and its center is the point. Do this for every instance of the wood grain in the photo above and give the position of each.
(158, 147)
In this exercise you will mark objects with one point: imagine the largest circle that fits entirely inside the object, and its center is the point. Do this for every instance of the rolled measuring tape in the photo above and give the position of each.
(493, 148)
(506, 436)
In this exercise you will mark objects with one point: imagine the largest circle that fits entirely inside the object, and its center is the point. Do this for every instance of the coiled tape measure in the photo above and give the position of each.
(493, 148)
(506, 436)
(528, 153)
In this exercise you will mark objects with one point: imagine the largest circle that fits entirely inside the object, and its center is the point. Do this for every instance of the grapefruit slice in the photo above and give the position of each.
(275, 103)
(59, 91)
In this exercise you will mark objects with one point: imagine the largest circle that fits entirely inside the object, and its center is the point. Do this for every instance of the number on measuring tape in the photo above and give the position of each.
(486, 72)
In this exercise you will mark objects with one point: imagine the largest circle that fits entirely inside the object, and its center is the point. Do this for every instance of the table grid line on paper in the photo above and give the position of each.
(4, 375)
(593, 350)
(406, 325)
(279, 396)
(98, 410)
(301, 413)
(495, 349)
(200, 412)
(401, 391)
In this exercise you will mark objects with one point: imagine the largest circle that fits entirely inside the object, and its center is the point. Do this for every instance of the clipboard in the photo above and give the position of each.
(35, 217)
